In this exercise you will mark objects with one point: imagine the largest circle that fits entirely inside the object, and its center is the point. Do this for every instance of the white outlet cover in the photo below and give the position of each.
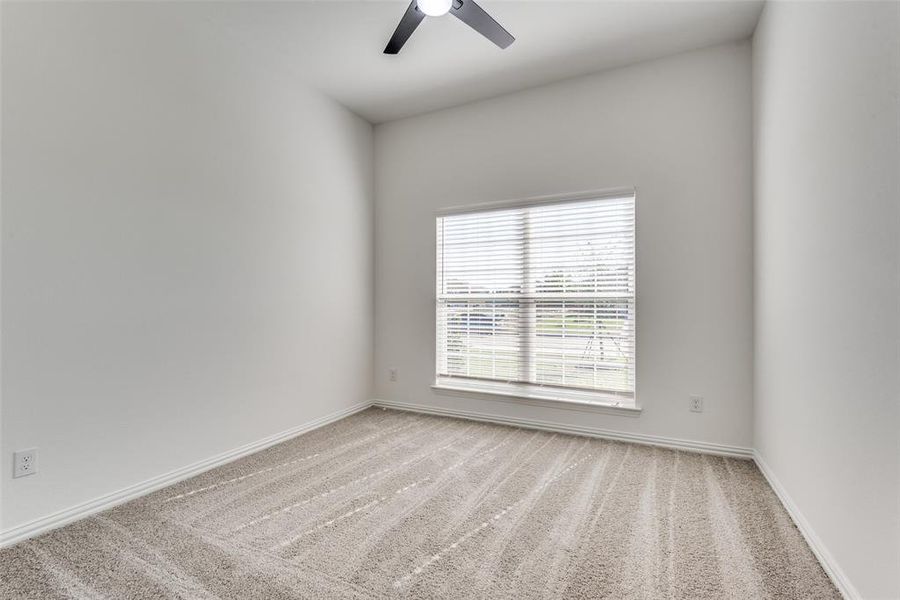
(696, 403)
(25, 462)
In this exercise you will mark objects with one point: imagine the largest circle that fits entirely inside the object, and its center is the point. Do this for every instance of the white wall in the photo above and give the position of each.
(827, 412)
(178, 218)
(679, 129)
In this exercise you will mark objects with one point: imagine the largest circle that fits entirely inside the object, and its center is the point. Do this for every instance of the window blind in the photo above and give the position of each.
(540, 295)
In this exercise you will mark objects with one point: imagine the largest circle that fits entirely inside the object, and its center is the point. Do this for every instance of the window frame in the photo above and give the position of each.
(532, 393)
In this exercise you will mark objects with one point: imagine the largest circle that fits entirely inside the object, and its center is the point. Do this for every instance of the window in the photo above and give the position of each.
(538, 300)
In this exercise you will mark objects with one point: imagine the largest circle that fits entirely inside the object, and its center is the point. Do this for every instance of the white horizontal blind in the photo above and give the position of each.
(541, 295)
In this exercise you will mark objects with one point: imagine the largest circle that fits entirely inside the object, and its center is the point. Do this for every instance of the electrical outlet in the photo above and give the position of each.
(696, 403)
(392, 374)
(25, 462)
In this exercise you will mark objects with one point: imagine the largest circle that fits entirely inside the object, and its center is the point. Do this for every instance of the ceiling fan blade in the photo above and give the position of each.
(475, 17)
(411, 19)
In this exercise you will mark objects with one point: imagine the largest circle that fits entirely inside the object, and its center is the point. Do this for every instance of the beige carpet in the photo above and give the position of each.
(386, 504)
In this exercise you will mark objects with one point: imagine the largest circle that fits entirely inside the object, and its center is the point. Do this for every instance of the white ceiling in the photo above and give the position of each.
(337, 45)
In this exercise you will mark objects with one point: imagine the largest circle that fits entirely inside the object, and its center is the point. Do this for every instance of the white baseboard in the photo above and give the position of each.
(652, 440)
(829, 564)
(79, 511)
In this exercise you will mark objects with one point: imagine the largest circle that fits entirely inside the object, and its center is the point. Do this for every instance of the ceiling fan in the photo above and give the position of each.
(465, 10)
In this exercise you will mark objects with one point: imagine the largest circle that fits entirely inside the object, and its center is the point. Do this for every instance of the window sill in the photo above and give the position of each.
(536, 399)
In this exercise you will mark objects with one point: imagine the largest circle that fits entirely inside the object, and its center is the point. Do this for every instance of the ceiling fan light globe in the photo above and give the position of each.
(434, 8)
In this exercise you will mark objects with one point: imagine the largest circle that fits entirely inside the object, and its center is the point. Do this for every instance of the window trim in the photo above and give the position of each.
(527, 393)
(521, 396)
(538, 200)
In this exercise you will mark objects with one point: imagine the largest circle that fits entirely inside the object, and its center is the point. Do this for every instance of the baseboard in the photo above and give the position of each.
(79, 511)
(829, 564)
(652, 440)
